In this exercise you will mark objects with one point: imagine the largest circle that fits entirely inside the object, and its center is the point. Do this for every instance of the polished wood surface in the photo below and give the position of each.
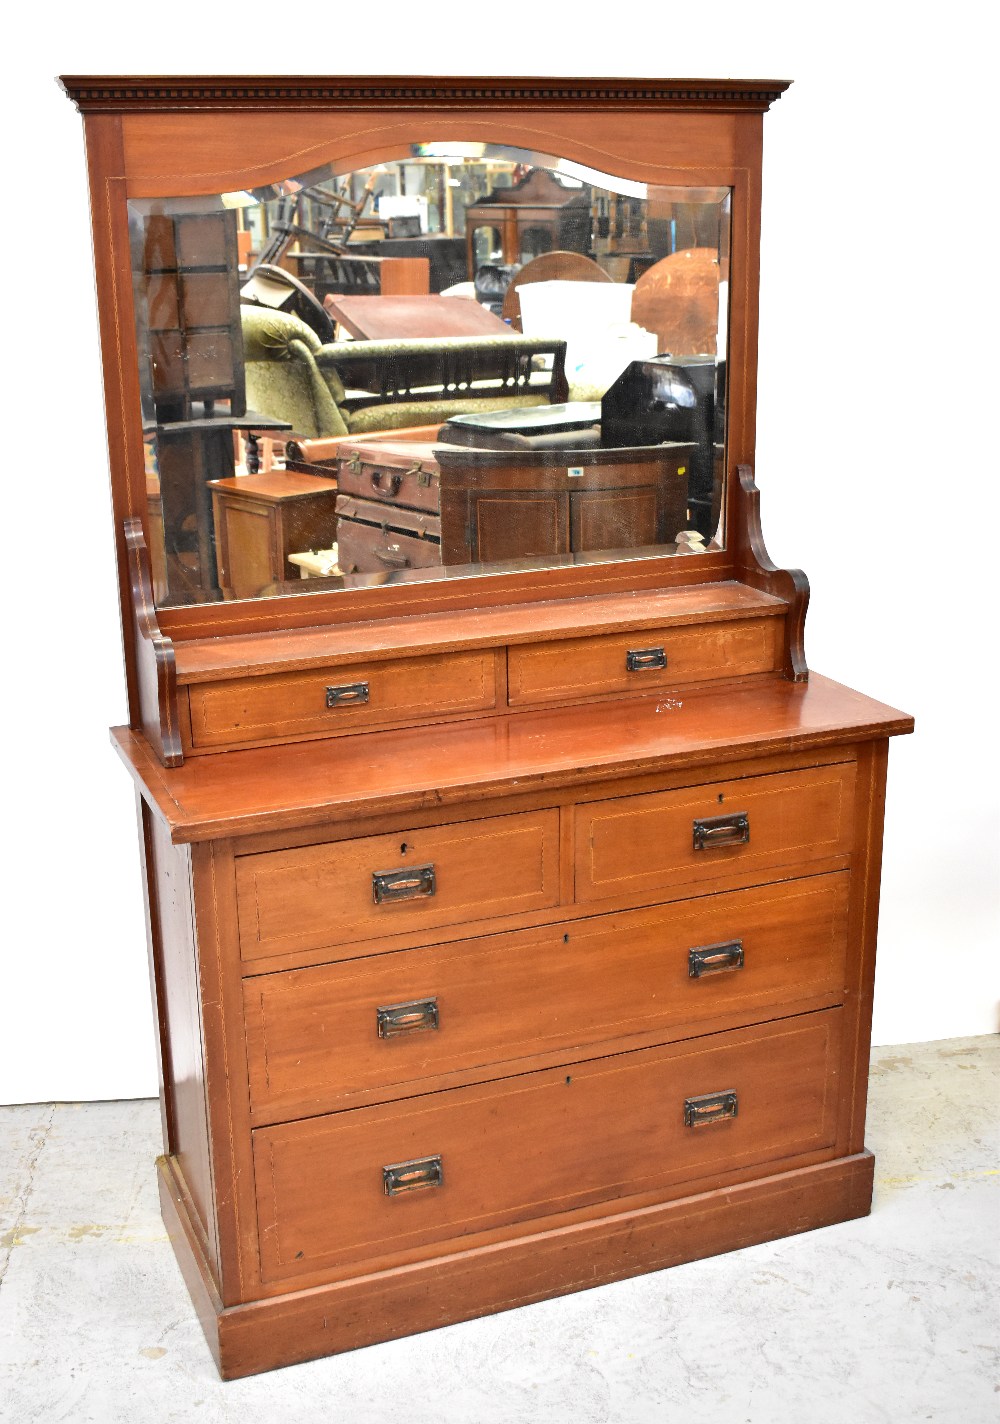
(311, 783)
(576, 668)
(277, 708)
(638, 845)
(593, 1153)
(322, 895)
(384, 318)
(343, 1315)
(312, 1034)
(211, 660)
(566, 979)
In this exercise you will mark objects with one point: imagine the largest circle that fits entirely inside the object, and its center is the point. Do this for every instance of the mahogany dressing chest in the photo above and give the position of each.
(512, 923)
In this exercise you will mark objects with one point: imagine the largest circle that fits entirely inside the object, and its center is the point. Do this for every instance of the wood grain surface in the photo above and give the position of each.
(315, 782)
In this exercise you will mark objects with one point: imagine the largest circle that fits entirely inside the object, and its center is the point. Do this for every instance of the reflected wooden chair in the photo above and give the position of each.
(678, 299)
(549, 267)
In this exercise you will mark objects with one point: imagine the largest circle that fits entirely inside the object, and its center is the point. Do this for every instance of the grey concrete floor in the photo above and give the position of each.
(893, 1318)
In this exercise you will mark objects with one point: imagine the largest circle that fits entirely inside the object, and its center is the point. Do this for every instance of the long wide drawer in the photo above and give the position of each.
(340, 699)
(317, 1037)
(637, 845)
(345, 892)
(374, 1183)
(641, 662)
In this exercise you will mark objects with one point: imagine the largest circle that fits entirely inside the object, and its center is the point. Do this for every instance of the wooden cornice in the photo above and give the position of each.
(117, 93)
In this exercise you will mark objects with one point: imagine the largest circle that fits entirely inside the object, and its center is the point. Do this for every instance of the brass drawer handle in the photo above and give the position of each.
(639, 659)
(413, 1176)
(395, 481)
(715, 958)
(349, 694)
(414, 1017)
(408, 884)
(722, 831)
(709, 1108)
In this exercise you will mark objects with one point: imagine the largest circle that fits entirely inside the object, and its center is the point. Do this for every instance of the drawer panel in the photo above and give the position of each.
(314, 1038)
(640, 844)
(590, 667)
(257, 709)
(325, 895)
(543, 1143)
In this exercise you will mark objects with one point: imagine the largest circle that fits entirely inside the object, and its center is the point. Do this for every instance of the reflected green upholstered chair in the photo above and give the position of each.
(358, 387)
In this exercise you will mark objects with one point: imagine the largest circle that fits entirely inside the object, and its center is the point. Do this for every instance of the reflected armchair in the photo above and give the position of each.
(359, 387)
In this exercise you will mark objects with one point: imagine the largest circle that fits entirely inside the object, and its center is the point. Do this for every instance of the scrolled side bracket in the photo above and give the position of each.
(157, 674)
(755, 567)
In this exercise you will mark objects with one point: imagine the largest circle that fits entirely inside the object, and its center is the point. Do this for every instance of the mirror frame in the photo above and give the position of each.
(155, 136)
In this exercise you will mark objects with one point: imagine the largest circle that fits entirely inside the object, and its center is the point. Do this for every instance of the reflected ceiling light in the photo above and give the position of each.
(566, 168)
(448, 150)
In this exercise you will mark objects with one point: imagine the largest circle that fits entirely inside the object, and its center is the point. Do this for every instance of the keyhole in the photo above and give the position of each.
(720, 800)
(404, 847)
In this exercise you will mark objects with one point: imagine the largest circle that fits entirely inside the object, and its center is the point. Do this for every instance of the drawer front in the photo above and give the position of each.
(355, 698)
(640, 844)
(641, 662)
(471, 1159)
(317, 1036)
(343, 893)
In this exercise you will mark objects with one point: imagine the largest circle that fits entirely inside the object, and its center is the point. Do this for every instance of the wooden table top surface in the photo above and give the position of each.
(425, 768)
(385, 318)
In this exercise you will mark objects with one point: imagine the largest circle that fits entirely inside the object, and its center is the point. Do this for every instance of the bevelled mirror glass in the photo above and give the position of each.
(467, 359)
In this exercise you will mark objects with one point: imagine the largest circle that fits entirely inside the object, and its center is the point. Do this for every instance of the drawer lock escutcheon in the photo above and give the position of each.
(407, 884)
(709, 1108)
(641, 659)
(722, 831)
(413, 1176)
(349, 694)
(416, 1016)
(715, 958)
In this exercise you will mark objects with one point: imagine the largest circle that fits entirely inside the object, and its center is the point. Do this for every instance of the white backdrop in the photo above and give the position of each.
(877, 468)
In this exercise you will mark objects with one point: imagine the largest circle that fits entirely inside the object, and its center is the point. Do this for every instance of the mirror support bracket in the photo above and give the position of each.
(157, 674)
(754, 566)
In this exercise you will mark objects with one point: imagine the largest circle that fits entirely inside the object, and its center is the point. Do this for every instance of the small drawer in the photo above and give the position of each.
(328, 701)
(342, 893)
(317, 1037)
(638, 845)
(373, 1184)
(641, 662)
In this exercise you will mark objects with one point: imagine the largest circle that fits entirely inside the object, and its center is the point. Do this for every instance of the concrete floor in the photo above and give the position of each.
(892, 1319)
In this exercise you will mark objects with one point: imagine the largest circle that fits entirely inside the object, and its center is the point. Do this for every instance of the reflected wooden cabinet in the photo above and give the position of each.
(510, 932)
(260, 519)
(498, 506)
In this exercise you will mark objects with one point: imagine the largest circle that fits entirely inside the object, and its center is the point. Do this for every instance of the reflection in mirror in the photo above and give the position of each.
(465, 360)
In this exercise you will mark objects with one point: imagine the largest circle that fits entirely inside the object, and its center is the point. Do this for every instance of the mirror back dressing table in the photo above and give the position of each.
(512, 923)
